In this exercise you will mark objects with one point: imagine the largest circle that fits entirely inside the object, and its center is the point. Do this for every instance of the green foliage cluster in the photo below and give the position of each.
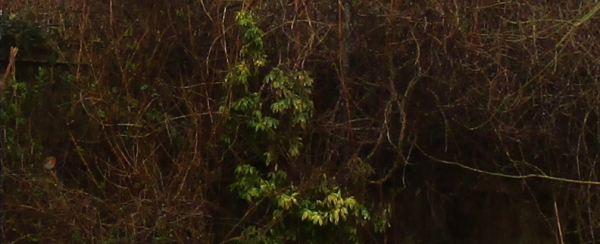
(286, 94)
(306, 215)
(18, 105)
(283, 96)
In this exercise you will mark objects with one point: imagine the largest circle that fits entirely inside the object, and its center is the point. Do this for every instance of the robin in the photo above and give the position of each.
(49, 163)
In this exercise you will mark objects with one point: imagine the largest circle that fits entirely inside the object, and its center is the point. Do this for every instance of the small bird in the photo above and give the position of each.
(49, 163)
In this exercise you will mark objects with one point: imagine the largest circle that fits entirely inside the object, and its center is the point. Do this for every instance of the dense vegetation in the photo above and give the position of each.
(300, 121)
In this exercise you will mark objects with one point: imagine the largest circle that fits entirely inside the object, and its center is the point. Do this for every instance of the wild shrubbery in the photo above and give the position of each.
(247, 121)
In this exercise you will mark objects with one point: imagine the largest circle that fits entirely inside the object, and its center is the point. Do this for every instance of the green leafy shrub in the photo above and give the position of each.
(278, 112)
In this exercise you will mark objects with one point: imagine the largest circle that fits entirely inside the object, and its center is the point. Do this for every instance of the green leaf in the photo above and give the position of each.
(305, 214)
